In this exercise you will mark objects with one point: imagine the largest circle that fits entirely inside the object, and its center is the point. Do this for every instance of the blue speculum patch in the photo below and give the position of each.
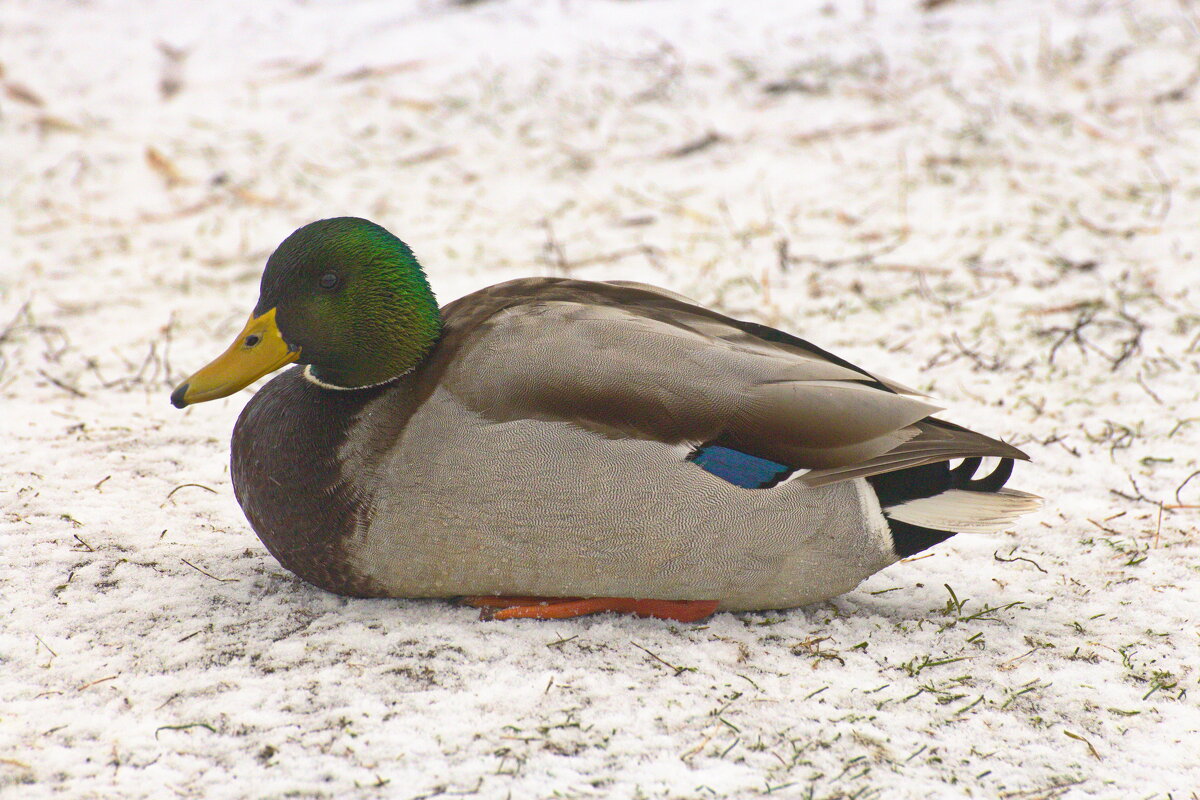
(740, 469)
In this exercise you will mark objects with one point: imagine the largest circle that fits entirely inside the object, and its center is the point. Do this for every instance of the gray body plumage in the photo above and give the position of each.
(612, 518)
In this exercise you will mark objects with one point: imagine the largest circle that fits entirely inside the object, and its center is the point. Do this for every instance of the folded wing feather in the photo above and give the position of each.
(662, 369)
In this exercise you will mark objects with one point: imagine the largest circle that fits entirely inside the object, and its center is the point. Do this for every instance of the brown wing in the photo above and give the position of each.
(626, 361)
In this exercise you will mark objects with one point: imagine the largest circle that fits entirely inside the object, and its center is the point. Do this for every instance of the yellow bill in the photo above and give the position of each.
(257, 350)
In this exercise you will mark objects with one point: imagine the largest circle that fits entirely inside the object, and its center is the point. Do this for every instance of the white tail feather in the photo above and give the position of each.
(963, 511)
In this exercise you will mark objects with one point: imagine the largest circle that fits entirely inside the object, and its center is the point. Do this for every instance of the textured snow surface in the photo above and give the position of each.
(995, 202)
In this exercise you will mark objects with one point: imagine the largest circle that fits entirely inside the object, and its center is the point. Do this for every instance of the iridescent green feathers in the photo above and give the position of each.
(354, 299)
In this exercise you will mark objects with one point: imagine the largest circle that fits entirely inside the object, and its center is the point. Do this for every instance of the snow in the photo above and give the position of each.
(995, 202)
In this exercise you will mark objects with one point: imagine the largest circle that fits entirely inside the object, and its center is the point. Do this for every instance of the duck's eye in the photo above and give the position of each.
(328, 280)
(252, 340)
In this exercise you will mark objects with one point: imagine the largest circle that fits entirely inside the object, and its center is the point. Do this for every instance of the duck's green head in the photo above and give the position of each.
(341, 295)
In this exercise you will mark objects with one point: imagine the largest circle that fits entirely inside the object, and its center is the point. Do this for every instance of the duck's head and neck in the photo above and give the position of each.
(341, 295)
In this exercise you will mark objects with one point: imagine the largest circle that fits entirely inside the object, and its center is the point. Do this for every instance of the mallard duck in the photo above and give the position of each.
(549, 447)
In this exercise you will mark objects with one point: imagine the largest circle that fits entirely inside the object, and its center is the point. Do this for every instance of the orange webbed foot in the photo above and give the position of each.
(493, 607)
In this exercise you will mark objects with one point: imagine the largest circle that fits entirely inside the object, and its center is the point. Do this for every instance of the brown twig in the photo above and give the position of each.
(209, 574)
(1179, 488)
(819, 134)
(695, 146)
(667, 664)
(184, 486)
(61, 384)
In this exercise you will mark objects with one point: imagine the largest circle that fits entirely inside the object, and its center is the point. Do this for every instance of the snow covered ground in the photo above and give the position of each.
(993, 201)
